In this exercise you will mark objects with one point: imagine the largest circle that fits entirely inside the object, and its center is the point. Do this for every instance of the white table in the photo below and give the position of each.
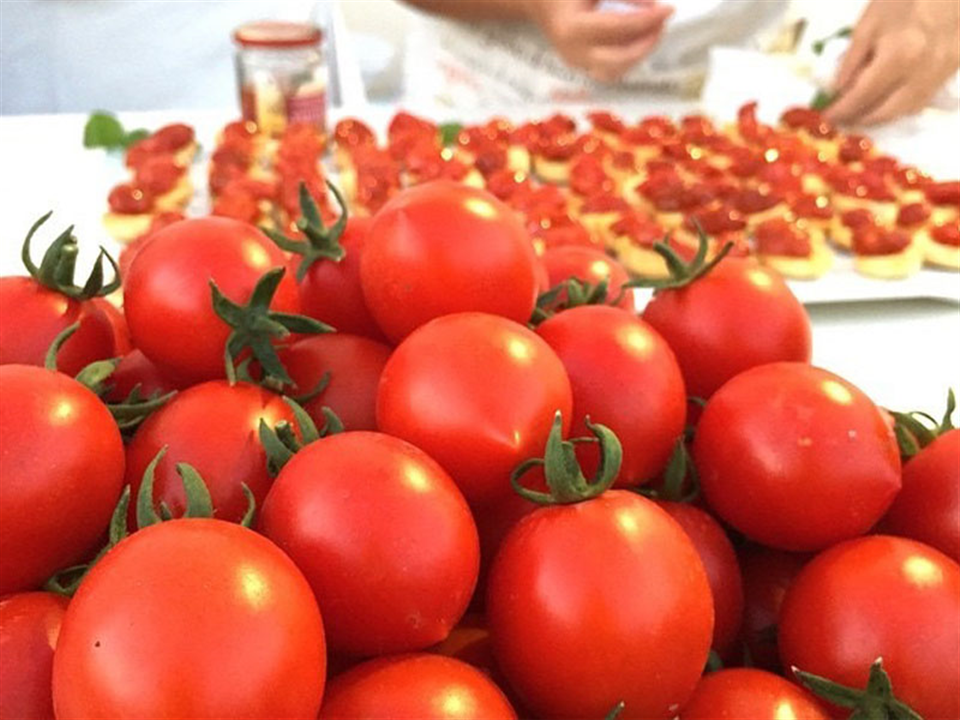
(903, 353)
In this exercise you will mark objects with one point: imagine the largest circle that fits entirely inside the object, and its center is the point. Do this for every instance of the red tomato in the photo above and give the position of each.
(29, 626)
(588, 265)
(32, 315)
(737, 316)
(623, 376)
(928, 506)
(213, 427)
(61, 472)
(723, 571)
(740, 693)
(795, 457)
(401, 519)
(879, 596)
(597, 602)
(219, 623)
(442, 248)
(331, 291)
(767, 575)
(478, 393)
(122, 344)
(469, 641)
(135, 369)
(413, 687)
(167, 292)
(354, 363)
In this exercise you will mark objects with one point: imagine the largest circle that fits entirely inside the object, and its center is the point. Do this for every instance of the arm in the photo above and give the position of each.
(604, 44)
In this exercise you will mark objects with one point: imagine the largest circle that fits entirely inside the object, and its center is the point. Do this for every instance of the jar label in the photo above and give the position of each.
(310, 108)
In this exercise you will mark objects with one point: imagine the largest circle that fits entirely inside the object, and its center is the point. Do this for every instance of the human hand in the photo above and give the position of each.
(901, 53)
(605, 44)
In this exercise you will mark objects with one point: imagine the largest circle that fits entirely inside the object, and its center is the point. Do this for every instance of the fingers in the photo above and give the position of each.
(608, 64)
(903, 101)
(609, 28)
(856, 56)
(884, 72)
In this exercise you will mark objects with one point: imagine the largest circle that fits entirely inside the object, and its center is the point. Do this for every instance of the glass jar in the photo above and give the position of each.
(282, 75)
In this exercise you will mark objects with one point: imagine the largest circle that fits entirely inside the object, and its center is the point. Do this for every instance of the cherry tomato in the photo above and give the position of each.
(383, 536)
(331, 291)
(122, 344)
(128, 199)
(928, 506)
(213, 427)
(737, 316)
(354, 363)
(61, 472)
(740, 693)
(476, 392)
(879, 596)
(218, 623)
(32, 315)
(412, 687)
(720, 562)
(29, 626)
(167, 292)
(767, 575)
(588, 265)
(795, 457)
(442, 248)
(135, 369)
(623, 376)
(597, 602)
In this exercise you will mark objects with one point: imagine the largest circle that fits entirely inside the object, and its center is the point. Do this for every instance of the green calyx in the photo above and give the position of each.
(682, 273)
(577, 292)
(915, 430)
(875, 702)
(255, 325)
(565, 479)
(681, 481)
(615, 711)
(322, 243)
(129, 412)
(56, 270)
(448, 132)
(281, 442)
(198, 505)
(818, 46)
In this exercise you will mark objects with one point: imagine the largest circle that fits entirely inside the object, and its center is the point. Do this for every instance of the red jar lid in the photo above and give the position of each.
(277, 34)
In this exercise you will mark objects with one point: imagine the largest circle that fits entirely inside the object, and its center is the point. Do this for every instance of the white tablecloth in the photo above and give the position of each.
(903, 353)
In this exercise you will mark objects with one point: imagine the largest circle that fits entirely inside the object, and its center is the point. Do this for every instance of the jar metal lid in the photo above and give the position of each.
(277, 34)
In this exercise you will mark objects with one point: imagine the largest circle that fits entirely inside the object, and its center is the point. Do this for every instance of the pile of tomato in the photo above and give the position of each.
(404, 467)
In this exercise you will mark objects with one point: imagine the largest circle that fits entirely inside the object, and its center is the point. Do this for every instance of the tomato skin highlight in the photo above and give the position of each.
(723, 570)
(879, 596)
(413, 687)
(212, 426)
(928, 507)
(795, 457)
(167, 296)
(219, 623)
(29, 626)
(477, 393)
(623, 376)
(355, 364)
(748, 694)
(384, 537)
(442, 248)
(331, 291)
(61, 472)
(596, 602)
(740, 315)
(32, 315)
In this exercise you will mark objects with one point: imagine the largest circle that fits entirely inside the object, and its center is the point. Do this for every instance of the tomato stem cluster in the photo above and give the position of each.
(915, 430)
(565, 479)
(578, 292)
(682, 273)
(281, 442)
(875, 702)
(321, 242)
(56, 270)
